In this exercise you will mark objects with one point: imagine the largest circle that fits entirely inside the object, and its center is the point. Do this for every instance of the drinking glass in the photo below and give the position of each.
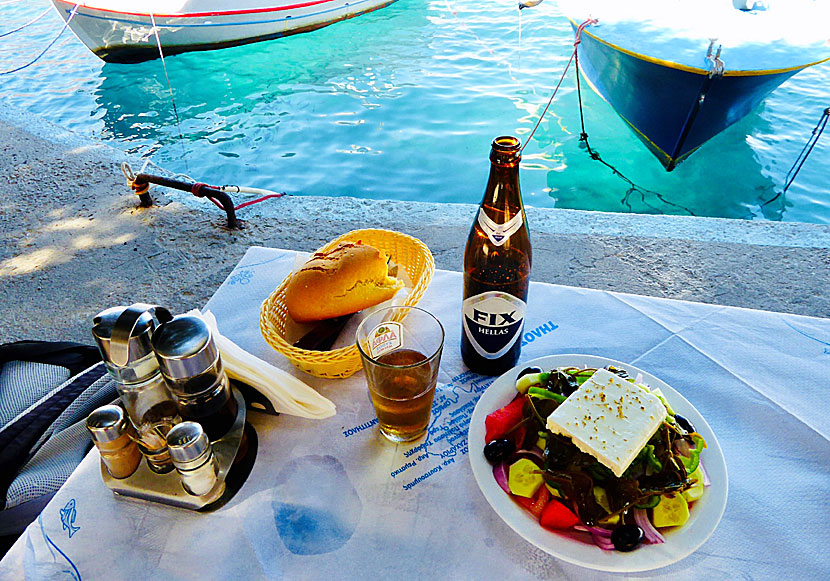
(401, 352)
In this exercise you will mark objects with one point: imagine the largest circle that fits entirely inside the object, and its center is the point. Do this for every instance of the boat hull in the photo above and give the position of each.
(672, 108)
(129, 37)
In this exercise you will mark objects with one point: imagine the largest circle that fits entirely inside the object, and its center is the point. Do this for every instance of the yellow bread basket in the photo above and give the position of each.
(407, 252)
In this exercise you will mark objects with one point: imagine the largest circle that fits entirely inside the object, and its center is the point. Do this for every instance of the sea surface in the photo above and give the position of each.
(402, 103)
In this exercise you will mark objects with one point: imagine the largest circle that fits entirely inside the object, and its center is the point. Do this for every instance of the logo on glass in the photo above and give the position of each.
(384, 338)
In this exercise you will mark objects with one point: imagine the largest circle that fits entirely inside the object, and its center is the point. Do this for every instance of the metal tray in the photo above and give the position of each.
(167, 488)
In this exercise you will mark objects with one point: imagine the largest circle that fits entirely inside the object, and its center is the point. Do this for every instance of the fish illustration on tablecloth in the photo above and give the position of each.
(68, 515)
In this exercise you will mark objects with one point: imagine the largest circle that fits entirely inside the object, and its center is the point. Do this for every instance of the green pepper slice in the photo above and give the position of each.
(545, 394)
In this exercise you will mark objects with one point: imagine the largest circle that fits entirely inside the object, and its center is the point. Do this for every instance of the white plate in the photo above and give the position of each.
(578, 549)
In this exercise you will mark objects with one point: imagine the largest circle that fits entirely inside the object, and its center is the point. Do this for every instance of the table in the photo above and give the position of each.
(331, 500)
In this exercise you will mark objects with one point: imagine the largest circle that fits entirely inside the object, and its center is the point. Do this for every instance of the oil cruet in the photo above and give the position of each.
(190, 364)
(123, 335)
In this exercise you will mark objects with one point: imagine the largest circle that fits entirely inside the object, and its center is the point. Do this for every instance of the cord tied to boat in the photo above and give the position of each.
(48, 46)
(580, 28)
(805, 151)
(578, 39)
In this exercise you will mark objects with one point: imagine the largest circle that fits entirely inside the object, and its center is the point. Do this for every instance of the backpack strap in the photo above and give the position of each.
(19, 437)
(74, 356)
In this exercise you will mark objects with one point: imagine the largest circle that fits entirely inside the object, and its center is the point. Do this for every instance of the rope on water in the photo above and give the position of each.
(807, 149)
(803, 155)
(19, 28)
(37, 58)
(170, 89)
(583, 140)
(562, 78)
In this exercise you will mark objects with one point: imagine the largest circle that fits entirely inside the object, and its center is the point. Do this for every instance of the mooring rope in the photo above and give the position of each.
(19, 28)
(263, 193)
(578, 39)
(37, 58)
(170, 89)
(803, 155)
(807, 149)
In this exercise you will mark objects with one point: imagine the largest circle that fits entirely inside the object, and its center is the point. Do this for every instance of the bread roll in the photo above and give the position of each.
(341, 281)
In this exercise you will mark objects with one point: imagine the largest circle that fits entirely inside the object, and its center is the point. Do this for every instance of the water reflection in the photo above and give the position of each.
(723, 178)
(293, 102)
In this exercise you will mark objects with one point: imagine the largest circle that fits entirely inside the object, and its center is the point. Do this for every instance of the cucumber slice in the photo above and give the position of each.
(696, 491)
(524, 478)
(601, 496)
(525, 381)
(672, 511)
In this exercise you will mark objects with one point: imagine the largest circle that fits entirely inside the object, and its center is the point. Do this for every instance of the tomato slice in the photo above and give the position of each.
(537, 503)
(558, 516)
(501, 421)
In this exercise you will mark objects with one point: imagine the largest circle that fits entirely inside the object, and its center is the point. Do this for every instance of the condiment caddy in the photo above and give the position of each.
(177, 410)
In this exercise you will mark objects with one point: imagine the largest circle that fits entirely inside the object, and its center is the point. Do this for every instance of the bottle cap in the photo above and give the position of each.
(107, 423)
(187, 441)
(184, 347)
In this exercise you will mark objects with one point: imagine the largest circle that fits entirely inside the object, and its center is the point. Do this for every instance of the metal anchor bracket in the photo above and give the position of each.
(716, 66)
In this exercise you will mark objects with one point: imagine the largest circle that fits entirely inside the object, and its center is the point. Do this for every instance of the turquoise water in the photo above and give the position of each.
(402, 103)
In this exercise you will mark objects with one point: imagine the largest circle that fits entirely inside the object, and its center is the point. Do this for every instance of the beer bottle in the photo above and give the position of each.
(496, 268)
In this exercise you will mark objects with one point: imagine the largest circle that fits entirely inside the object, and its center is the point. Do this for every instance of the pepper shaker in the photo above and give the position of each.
(190, 363)
(123, 336)
(193, 458)
(110, 431)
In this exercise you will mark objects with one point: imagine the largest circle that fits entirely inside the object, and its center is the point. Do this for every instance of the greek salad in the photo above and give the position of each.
(569, 468)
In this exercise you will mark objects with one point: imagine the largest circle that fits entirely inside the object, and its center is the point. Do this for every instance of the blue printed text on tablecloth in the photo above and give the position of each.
(446, 437)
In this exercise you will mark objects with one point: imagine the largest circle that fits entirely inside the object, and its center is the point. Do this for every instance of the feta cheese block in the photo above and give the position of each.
(609, 418)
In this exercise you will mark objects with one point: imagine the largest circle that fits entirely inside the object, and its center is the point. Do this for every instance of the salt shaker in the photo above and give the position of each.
(190, 363)
(193, 458)
(123, 336)
(111, 434)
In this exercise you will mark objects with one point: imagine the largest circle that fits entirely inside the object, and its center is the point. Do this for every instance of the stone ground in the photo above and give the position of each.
(74, 241)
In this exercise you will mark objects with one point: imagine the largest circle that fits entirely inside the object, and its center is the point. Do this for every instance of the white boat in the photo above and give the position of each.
(125, 30)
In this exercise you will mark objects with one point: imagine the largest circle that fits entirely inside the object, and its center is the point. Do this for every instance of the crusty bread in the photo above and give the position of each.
(341, 281)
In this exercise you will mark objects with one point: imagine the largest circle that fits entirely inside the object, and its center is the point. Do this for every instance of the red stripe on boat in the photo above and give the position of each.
(201, 14)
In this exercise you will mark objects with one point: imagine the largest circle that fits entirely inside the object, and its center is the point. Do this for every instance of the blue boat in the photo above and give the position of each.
(677, 86)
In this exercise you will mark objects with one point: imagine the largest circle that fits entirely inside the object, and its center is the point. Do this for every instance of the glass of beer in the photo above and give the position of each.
(401, 352)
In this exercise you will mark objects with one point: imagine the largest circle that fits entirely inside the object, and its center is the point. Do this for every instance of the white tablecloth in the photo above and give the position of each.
(331, 500)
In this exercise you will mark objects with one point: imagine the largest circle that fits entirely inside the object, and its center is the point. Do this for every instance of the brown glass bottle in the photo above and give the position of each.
(496, 268)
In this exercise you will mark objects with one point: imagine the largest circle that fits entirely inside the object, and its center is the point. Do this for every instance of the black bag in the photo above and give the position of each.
(47, 389)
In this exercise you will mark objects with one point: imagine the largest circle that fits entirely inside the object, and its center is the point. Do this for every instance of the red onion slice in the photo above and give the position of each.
(603, 543)
(599, 531)
(534, 455)
(651, 534)
(500, 474)
(706, 481)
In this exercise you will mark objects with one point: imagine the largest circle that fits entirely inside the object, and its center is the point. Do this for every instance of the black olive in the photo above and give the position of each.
(684, 423)
(562, 383)
(621, 373)
(557, 453)
(499, 450)
(528, 371)
(627, 537)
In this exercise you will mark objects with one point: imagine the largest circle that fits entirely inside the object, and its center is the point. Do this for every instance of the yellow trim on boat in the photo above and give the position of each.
(693, 70)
